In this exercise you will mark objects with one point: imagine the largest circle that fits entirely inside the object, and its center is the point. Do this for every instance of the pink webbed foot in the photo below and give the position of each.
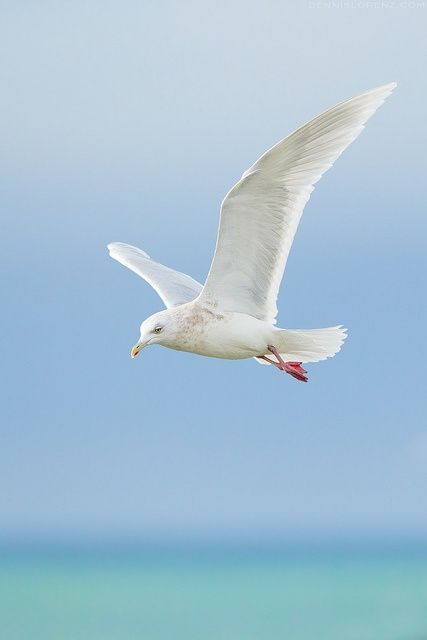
(296, 371)
(293, 368)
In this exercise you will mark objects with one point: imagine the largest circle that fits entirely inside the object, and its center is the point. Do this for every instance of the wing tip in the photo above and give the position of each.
(387, 89)
(379, 93)
(115, 247)
(388, 86)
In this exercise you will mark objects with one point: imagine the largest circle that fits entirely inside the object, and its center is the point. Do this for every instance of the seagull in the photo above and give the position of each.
(233, 315)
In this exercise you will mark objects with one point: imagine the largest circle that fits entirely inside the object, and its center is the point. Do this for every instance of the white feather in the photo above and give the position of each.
(308, 345)
(174, 288)
(260, 214)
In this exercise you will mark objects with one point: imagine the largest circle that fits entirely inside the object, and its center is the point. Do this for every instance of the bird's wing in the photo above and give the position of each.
(260, 214)
(173, 287)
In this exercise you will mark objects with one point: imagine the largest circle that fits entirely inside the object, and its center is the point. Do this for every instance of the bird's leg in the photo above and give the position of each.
(270, 361)
(281, 362)
(293, 368)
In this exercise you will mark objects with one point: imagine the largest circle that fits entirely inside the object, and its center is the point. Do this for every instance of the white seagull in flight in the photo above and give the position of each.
(233, 314)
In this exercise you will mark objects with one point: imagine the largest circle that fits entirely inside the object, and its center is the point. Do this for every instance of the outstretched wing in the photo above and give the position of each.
(173, 287)
(260, 215)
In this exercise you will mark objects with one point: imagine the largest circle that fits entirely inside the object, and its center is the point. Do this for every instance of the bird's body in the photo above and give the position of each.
(232, 316)
(202, 329)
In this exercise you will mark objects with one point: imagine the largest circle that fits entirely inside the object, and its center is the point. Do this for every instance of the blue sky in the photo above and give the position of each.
(124, 121)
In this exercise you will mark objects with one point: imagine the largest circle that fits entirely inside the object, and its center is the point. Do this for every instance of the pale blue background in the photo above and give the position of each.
(129, 121)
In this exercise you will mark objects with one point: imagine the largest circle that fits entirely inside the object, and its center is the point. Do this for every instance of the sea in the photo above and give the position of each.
(135, 591)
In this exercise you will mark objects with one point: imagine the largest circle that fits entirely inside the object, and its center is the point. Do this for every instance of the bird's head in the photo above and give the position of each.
(160, 328)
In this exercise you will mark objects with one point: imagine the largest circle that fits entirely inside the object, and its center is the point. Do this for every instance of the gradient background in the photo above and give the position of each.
(130, 121)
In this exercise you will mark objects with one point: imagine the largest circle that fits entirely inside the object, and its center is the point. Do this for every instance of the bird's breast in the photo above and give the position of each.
(220, 335)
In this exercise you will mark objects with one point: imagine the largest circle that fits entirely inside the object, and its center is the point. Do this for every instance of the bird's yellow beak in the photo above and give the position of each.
(135, 350)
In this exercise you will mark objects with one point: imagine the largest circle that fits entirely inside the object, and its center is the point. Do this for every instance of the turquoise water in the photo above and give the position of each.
(212, 595)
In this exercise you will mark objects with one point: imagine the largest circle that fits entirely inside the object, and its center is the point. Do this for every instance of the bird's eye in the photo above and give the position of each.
(157, 329)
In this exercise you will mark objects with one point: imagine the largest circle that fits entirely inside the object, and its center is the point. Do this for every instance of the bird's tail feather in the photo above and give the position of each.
(308, 345)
